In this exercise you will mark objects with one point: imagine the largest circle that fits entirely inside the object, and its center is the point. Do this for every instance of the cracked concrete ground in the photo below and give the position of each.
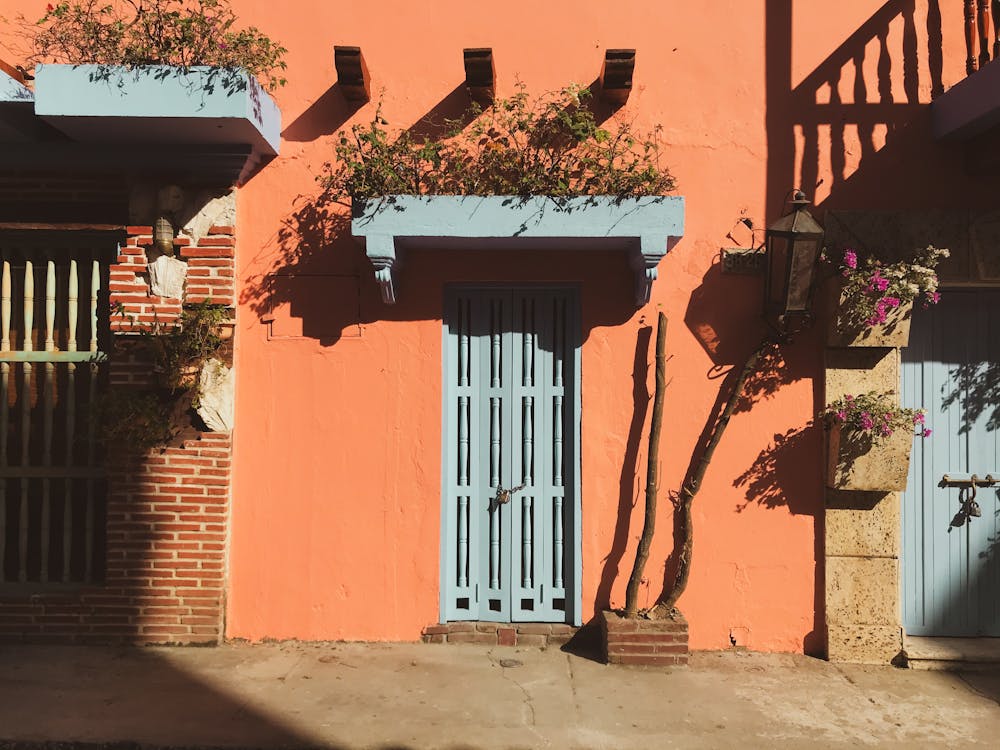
(421, 696)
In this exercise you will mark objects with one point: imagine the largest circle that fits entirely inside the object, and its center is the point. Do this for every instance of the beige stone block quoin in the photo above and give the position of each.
(862, 524)
(860, 370)
(862, 591)
(863, 644)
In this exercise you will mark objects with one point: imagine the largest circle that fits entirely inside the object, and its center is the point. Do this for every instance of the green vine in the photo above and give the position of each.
(131, 33)
(549, 145)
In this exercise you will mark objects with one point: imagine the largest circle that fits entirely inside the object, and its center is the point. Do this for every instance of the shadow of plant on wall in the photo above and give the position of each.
(977, 387)
(774, 370)
(313, 240)
(780, 475)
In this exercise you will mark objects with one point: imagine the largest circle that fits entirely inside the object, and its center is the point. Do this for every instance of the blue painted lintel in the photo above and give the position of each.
(646, 228)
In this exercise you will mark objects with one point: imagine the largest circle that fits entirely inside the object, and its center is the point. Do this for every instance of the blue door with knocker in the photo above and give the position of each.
(510, 541)
(951, 525)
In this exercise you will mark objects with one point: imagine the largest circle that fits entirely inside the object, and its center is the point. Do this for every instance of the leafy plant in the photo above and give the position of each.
(550, 145)
(136, 420)
(872, 289)
(178, 350)
(180, 33)
(874, 415)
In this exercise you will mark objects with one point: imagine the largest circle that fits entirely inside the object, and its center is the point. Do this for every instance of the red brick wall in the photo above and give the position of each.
(212, 266)
(211, 269)
(166, 557)
(167, 511)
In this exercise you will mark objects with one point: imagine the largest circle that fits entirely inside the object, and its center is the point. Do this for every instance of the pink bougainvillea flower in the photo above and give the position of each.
(918, 418)
(935, 297)
(841, 416)
(850, 259)
(926, 432)
(866, 421)
(891, 301)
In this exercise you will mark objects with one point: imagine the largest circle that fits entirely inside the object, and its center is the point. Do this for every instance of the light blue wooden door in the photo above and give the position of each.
(511, 422)
(950, 571)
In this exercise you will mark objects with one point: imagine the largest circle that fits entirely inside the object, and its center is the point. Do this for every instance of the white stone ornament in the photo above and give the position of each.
(166, 277)
(216, 387)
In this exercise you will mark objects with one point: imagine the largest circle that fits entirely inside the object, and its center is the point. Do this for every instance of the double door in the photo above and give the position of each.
(510, 549)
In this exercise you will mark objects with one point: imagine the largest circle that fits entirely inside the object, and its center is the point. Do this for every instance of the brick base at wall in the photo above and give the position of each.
(651, 643)
(540, 634)
(165, 542)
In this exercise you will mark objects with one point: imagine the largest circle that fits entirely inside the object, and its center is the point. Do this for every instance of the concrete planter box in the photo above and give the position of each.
(895, 332)
(159, 105)
(857, 463)
(639, 642)
(645, 228)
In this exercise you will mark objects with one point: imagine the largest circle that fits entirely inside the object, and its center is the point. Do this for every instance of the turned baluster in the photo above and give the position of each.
(970, 36)
(985, 28)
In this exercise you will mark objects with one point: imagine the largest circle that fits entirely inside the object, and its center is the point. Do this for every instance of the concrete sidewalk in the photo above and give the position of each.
(454, 696)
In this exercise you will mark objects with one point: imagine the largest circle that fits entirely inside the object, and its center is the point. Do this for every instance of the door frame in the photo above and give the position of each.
(574, 603)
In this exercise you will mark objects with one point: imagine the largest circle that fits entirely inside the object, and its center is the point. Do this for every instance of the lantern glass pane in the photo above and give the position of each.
(777, 268)
(800, 275)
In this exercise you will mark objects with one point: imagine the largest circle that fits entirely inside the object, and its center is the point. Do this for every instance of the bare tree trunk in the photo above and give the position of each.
(693, 483)
(652, 470)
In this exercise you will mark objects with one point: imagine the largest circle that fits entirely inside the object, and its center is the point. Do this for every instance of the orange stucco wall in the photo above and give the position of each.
(335, 516)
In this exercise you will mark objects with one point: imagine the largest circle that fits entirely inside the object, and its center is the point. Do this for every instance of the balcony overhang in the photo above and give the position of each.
(198, 124)
(644, 228)
(969, 108)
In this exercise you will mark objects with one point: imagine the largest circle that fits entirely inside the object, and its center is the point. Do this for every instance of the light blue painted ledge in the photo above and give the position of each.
(158, 104)
(13, 91)
(645, 228)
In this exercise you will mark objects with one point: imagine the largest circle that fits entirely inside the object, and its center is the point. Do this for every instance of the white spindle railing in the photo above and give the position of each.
(40, 475)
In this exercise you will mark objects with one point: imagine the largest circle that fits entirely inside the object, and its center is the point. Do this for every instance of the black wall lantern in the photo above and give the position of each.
(793, 245)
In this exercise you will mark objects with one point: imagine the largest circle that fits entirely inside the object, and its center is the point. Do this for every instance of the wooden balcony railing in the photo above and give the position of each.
(982, 25)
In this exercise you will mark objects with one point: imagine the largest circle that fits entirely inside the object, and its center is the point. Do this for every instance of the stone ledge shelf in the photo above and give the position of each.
(645, 228)
(207, 109)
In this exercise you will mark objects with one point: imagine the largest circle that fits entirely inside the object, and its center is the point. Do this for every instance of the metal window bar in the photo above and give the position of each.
(52, 371)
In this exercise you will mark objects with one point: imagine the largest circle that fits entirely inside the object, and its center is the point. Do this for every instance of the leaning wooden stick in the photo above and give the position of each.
(652, 473)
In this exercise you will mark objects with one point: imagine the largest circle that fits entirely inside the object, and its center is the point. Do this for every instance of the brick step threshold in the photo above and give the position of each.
(952, 654)
(538, 634)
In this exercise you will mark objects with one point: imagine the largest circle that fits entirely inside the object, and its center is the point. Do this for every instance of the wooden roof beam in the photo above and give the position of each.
(480, 74)
(616, 75)
(352, 73)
